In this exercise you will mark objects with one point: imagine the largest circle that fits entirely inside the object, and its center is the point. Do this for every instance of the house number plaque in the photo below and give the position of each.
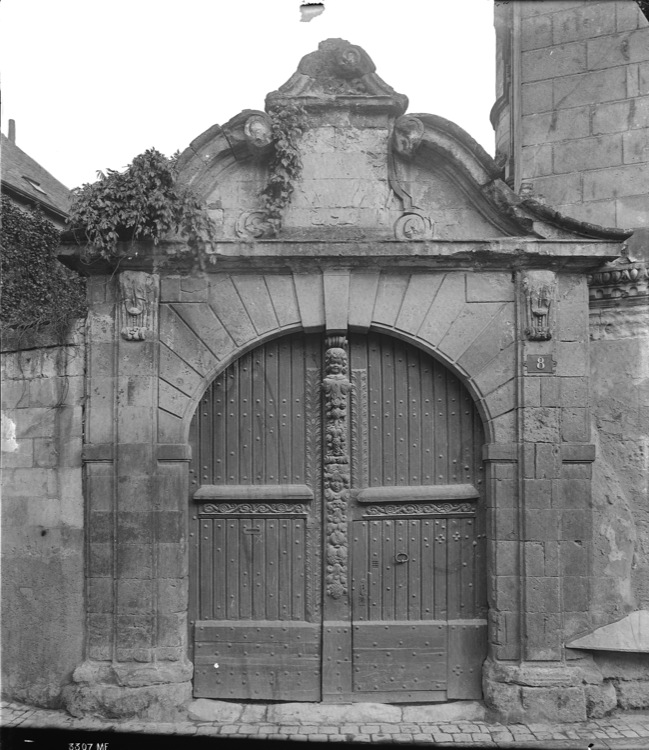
(540, 364)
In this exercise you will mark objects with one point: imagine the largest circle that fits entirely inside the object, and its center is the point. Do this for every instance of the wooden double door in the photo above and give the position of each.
(337, 544)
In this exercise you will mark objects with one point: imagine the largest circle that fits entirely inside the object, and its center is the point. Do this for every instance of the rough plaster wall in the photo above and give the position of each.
(620, 394)
(585, 108)
(42, 523)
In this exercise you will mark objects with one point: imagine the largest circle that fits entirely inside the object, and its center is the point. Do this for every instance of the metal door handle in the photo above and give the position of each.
(401, 557)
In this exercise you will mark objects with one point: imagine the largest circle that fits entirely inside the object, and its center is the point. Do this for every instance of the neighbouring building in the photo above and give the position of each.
(395, 450)
(42, 498)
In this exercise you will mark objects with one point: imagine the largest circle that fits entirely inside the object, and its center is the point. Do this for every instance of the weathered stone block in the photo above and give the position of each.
(571, 91)
(555, 61)
(543, 640)
(632, 694)
(134, 631)
(587, 153)
(600, 700)
(566, 704)
(631, 211)
(507, 563)
(100, 560)
(505, 593)
(100, 635)
(303, 713)
(504, 699)
(501, 400)
(602, 213)
(628, 16)
(134, 527)
(170, 628)
(282, 294)
(100, 595)
(221, 712)
(447, 305)
(256, 299)
(536, 32)
(574, 558)
(559, 189)
(572, 359)
(150, 703)
(134, 560)
(617, 49)
(536, 160)
(548, 461)
(134, 597)
(542, 594)
(593, 19)
(496, 372)
(540, 525)
(541, 425)
(172, 595)
(170, 428)
(489, 287)
(576, 593)
(617, 117)
(390, 294)
(503, 428)
(576, 525)
(421, 291)
(538, 493)
(629, 179)
(635, 144)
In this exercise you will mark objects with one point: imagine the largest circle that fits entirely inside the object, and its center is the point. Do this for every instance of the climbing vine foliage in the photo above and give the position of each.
(288, 124)
(37, 290)
(144, 202)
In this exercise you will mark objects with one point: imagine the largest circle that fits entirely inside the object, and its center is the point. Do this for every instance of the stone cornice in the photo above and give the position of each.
(509, 253)
(622, 283)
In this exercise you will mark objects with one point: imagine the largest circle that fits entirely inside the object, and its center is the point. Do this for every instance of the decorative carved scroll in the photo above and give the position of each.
(407, 135)
(419, 509)
(413, 226)
(336, 388)
(539, 288)
(293, 509)
(138, 297)
(253, 224)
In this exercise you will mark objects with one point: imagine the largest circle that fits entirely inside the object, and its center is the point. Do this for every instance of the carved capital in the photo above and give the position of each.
(138, 300)
(408, 135)
(539, 288)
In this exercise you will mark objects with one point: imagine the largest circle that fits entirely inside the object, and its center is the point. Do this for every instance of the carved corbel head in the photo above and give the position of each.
(258, 132)
(408, 135)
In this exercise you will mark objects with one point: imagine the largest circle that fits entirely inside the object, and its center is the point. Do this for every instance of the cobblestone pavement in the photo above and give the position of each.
(620, 730)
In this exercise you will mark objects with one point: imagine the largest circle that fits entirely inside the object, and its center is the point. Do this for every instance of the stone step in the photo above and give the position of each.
(204, 709)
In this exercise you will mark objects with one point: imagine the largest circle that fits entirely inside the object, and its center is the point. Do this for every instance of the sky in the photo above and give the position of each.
(91, 83)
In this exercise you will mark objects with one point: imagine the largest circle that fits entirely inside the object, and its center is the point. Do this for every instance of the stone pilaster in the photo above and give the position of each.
(136, 576)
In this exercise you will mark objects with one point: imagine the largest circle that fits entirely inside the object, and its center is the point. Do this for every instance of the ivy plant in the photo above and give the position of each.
(285, 168)
(37, 290)
(144, 202)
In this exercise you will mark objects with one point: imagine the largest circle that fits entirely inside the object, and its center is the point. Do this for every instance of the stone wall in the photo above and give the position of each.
(572, 123)
(42, 519)
(582, 120)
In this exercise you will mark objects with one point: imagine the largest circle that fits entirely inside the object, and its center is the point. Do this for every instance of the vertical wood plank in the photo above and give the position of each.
(401, 570)
(401, 414)
(375, 390)
(429, 574)
(375, 582)
(271, 565)
(207, 565)
(387, 568)
(233, 569)
(416, 573)
(272, 436)
(388, 421)
(219, 610)
(245, 421)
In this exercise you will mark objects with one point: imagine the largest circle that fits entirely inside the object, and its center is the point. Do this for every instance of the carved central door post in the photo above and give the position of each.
(336, 480)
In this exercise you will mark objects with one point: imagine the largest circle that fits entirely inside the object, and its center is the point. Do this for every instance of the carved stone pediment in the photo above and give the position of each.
(338, 70)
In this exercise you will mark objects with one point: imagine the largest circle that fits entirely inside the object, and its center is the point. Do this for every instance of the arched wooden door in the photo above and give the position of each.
(337, 526)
